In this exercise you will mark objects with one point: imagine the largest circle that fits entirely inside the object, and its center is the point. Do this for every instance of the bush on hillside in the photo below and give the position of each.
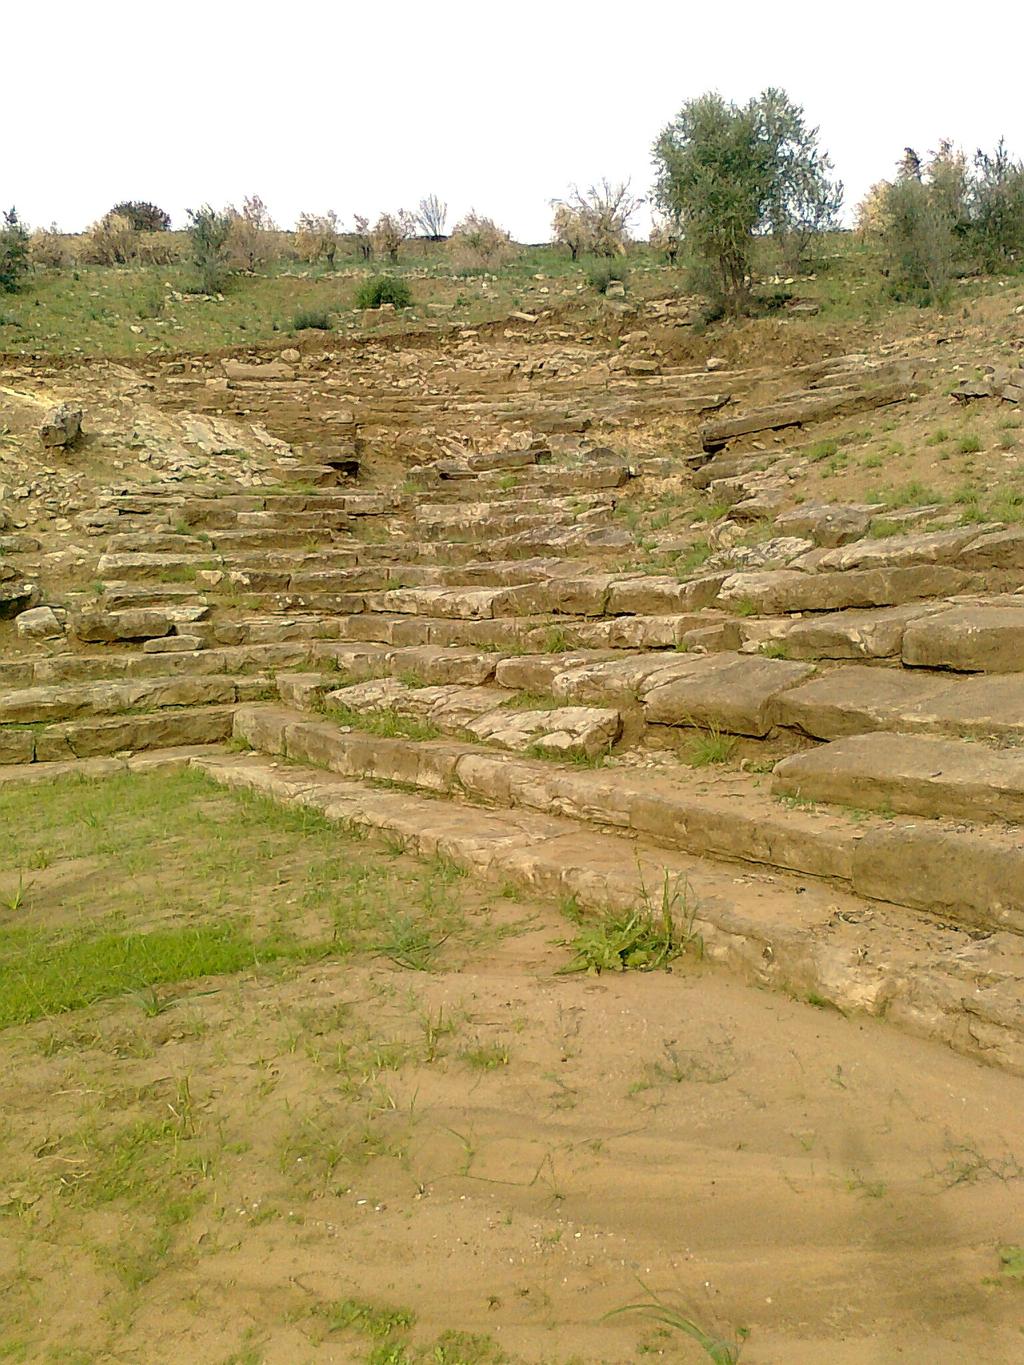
(144, 217)
(317, 237)
(479, 241)
(728, 173)
(383, 289)
(311, 320)
(48, 248)
(14, 260)
(112, 241)
(208, 233)
(601, 274)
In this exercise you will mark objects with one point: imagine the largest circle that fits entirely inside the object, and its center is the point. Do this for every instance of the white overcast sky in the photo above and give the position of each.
(362, 107)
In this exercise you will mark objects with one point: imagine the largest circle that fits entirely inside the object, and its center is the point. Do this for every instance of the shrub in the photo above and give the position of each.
(569, 229)
(601, 274)
(310, 320)
(144, 217)
(479, 241)
(316, 237)
(363, 236)
(383, 289)
(250, 240)
(596, 219)
(112, 241)
(47, 248)
(157, 248)
(918, 240)
(390, 231)
(997, 208)
(665, 238)
(208, 233)
(13, 251)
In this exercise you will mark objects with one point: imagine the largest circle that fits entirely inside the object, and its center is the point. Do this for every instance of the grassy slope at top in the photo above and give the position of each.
(146, 309)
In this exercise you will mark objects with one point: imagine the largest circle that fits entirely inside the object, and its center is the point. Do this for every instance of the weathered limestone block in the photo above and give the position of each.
(732, 692)
(858, 699)
(588, 730)
(915, 774)
(40, 623)
(852, 634)
(142, 623)
(61, 426)
(969, 639)
(786, 590)
(827, 524)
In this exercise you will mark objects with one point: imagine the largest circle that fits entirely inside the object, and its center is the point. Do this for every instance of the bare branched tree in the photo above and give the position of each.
(432, 216)
(316, 237)
(363, 236)
(596, 219)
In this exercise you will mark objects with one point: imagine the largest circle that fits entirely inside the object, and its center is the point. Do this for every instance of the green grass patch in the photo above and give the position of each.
(45, 974)
(386, 723)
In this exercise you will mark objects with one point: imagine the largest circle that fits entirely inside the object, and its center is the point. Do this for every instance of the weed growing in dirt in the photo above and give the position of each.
(709, 746)
(719, 1350)
(644, 938)
(486, 1056)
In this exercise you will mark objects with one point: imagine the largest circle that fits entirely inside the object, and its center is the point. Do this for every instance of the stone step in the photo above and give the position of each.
(310, 522)
(156, 541)
(481, 711)
(368, 504)
(335, 570)
(735, 693)
(839, 635)
(52, 702)
(551, 541)
(175, 758)
(543, 480)
(470, 530)
(534, 634)
(119, 595)
(586, 595)
(776, 592)
(111, 667)
(858, 699)
(442, 665)
(158, 566)
(728, 692)
(915, 774)
(971, 639)
(99, 735)
(731, 821)
(429, 513)
(232, 543)
(948, 547)
(313, 475)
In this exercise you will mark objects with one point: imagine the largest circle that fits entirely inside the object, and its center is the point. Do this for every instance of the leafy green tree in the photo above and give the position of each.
(919, 240)
(144, 217)
(803, 199)
(714, 177)
(997, 208)
(209, 233)
(13, 251)
(728, 172)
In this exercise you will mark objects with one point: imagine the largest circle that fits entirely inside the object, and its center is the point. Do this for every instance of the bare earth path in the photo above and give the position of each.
(248, 1168)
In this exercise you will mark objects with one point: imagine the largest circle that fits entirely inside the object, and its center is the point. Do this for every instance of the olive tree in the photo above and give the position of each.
(728, 172)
